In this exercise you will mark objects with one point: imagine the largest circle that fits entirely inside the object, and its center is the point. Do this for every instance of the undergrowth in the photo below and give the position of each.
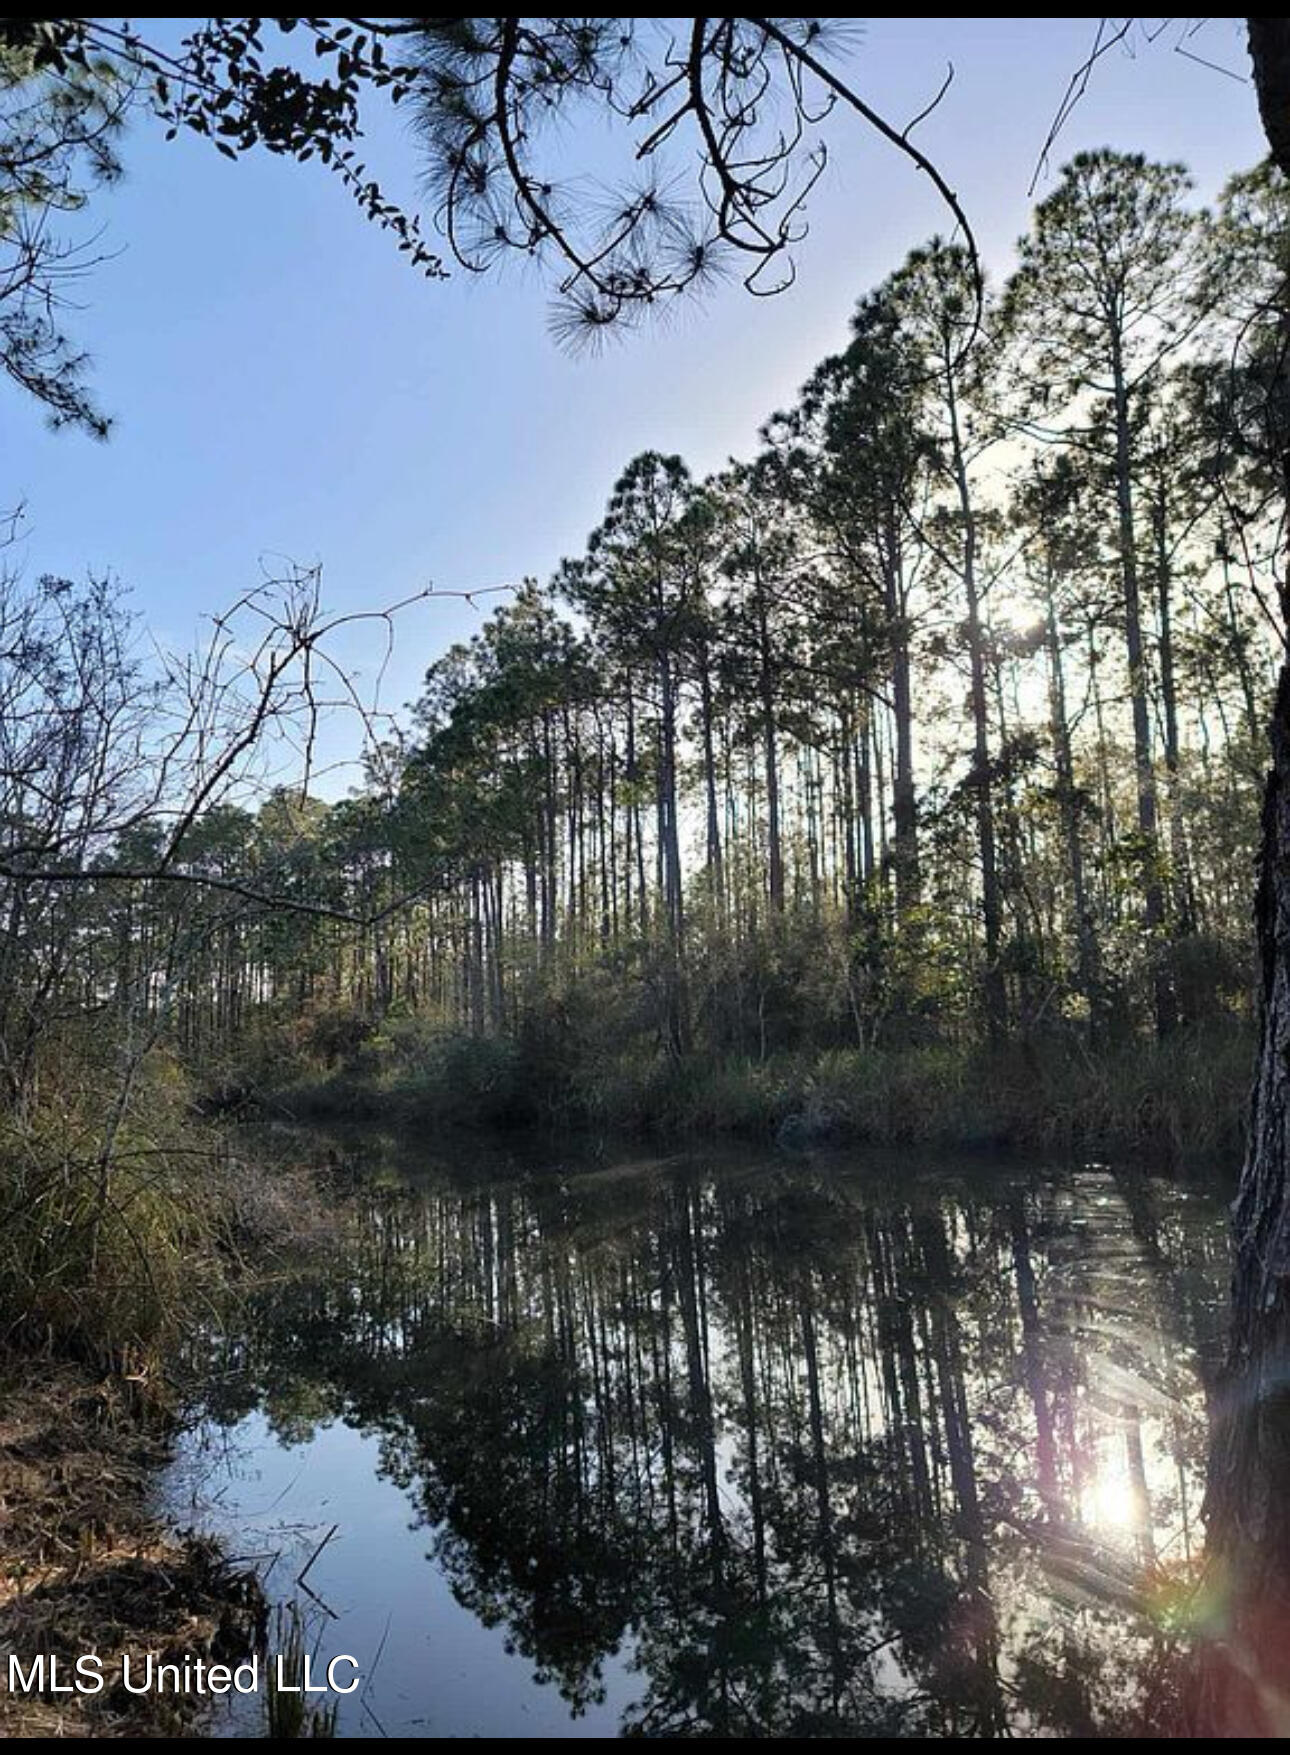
(1182, 1097)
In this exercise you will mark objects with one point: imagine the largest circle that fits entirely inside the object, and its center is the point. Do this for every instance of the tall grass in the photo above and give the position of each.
(115, 1238)
(288, 1711)
(1183, 1097)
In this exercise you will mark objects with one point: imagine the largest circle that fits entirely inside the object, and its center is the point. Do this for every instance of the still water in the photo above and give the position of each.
(718, 1446)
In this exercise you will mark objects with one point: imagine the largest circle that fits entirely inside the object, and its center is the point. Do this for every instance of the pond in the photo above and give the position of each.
(719, 1445)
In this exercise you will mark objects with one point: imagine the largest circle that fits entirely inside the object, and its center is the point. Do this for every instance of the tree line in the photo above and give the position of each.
(942, 715)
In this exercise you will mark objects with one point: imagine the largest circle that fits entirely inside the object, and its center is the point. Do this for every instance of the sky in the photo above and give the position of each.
(284, 387)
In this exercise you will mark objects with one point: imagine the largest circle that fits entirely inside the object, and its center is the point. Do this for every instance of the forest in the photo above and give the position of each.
(899, 787)
(932, 732)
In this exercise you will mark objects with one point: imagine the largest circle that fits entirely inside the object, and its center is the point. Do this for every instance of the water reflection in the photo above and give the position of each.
(832, 1449)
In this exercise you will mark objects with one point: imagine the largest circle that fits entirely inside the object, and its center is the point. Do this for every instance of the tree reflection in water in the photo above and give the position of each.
(827, 1448)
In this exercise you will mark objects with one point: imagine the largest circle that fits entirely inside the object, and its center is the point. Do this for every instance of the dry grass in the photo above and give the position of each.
(85, 1566)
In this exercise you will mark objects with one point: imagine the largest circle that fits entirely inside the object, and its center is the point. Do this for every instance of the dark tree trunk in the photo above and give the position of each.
(1153, 918)
(1248, 1502)
(994, 988)
(716, 877)
(1270, 53)
(1088, 952)
(770, 756)
(1184, 901)
(904, 802)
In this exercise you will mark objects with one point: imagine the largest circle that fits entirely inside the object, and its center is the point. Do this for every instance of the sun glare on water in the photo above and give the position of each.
(1112, 1501)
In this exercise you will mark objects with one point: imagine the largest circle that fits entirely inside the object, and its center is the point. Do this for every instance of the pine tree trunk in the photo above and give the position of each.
(994, 988)
(904, 802)
(1153, 911)
(1248, 1499)
(1088, 956)
(716, 877)
(770, 758)
(1184, 897)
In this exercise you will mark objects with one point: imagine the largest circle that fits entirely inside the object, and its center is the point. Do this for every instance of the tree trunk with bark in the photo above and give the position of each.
(1246, 1681)
(1153, 918)
(994, 989)
(904, 801)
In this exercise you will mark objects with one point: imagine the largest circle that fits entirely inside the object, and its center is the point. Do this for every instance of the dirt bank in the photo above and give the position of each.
(87, 1567)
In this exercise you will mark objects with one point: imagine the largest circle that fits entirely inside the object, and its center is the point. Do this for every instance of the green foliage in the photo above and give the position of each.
(795, 788)
(483, 93)
(58, 132)
(109, 1247)
(288, 1711)
(589, 1058)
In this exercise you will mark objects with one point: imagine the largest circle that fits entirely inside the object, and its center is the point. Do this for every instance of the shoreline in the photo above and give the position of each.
(1184, 1098)
(95, 1567)
(91, 1567)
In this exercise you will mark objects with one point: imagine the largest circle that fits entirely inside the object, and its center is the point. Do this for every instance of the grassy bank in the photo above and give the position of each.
(117, 1237)
(1174, 1099)
(121, 1228)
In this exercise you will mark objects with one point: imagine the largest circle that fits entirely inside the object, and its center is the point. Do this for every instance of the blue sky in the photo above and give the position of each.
(283, 385)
